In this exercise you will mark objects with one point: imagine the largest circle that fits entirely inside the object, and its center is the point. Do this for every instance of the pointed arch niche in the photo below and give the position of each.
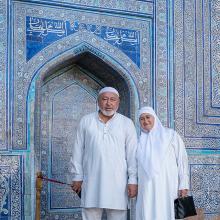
(63, 90)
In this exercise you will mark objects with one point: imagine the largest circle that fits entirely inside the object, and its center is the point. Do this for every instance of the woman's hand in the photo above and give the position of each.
(183, 192)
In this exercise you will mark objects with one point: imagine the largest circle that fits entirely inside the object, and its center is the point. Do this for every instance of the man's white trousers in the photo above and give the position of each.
(96, 214)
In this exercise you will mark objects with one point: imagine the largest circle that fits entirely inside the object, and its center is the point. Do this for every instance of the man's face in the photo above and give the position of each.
(108, 103)
(147, 121)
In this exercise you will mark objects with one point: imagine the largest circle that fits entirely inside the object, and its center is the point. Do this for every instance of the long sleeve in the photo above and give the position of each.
(131, 148)
(182, 162)
(76, 160)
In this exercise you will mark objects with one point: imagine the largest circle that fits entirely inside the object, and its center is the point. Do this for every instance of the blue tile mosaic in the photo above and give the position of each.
(166, 51)
(41, 32)
(11, 183)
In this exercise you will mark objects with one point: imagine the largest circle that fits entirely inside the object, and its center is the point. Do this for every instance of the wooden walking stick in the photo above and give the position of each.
(39, 186)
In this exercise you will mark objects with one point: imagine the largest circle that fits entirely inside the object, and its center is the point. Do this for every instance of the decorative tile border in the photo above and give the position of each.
(204, 182)
(25, 71)
(207, 62)
(11, 185)
(125, 6)
(215, 51)
(161, 61)
(187, 116)
(3, 72)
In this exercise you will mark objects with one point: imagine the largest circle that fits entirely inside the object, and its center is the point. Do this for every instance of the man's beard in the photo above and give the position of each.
(108, 113)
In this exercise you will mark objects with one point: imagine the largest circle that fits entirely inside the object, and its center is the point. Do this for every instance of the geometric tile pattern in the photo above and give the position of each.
(145, 7)
(67, 46)
(193, 119)
(61, 112)
(204, 183)
(173, 64)
(3, 73)
(208, 62)
(215, 59)
(161, 59)
(11, 187)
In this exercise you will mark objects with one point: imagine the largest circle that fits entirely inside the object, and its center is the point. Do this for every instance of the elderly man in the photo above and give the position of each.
(104, 160)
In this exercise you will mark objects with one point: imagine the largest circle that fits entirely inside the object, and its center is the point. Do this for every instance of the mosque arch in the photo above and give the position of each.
(70, 77)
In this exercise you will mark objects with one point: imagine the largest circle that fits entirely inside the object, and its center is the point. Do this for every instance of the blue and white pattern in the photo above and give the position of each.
(204, 183)
(69, 46)
(42, 32)
(3, 74)
(139, 7)
(193, 117)
(167, 53)
(11, 187)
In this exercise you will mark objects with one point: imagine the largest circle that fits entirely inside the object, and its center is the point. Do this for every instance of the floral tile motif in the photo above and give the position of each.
(11, 187)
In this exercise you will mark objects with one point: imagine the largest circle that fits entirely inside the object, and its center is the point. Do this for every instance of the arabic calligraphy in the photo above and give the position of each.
(116, 35)
(120, 36)
(41, 32)
(42, 27)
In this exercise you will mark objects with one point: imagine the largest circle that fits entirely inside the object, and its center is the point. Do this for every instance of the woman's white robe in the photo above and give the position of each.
(104, 158)
(155, 200)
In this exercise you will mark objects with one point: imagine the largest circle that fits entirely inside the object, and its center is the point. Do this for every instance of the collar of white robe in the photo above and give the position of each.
(153, 145)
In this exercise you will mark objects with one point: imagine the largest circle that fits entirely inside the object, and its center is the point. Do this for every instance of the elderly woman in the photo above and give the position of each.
(162, 168)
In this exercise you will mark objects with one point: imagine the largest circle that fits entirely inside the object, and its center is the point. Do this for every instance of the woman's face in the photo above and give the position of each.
(147, 121)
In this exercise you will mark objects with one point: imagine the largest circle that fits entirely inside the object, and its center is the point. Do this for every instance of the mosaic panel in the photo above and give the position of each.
(215, 57)
(3, 72)
(208, 195)
(187, 115)
(11, 187)
(61, 111)
(204, 183)
(161, 61)
(122, 5)
(69, 47)
(207, 29)
(196, 40)
(42, 32)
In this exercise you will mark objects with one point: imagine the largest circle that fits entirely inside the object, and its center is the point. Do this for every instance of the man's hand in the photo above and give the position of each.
(132, 190)
(183, 192)
(76, 186)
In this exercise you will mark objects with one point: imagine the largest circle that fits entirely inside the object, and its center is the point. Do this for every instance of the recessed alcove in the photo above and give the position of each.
(65, 93)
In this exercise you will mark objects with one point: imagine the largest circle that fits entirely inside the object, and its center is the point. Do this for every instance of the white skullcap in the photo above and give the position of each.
(108, 89)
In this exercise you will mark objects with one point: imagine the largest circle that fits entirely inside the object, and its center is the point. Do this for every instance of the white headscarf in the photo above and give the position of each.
(109, 89)
(153, 144)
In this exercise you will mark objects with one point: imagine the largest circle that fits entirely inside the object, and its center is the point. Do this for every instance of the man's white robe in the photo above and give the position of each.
(104, 158)
(155, 199)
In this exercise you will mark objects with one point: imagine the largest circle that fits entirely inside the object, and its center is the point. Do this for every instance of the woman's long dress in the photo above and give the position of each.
(155, 200)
